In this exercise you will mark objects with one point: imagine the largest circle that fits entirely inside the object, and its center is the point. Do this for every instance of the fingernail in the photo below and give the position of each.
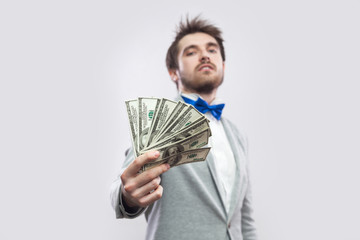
(167, 165)
(156, 153)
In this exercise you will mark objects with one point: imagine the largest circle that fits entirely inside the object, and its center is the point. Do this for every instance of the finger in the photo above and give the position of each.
(151, 197)
(147, 188)
(136, 165)
(150, 174)
(145, 177)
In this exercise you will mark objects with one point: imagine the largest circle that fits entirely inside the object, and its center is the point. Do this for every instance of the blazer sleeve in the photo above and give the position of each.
(115, 192)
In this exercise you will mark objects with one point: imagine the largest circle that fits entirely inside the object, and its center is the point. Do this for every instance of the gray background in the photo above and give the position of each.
(291, 82)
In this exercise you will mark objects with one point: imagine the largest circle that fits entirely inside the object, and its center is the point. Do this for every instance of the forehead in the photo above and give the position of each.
(198, 39)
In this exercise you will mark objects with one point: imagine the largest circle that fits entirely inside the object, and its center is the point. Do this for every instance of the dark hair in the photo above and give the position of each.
(192, 26)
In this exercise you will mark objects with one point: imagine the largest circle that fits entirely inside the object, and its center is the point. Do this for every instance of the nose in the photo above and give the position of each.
(205, 59)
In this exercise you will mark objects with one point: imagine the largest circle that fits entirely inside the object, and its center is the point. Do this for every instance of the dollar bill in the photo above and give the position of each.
(163, 113)
(186, 118)
(179, 109)
(195, 155)
(175, 145)
(190, 130)
(147, 108)
(173, 128)
(132, 111)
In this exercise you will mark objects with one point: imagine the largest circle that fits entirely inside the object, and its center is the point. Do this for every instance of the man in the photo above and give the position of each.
(203, 200)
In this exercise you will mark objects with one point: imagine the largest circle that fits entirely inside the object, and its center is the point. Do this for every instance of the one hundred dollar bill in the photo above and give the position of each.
(184, 119)
(147, 108)
(133, 116)
(181, 143)
(195, 155)
(190, 130)
(179, 109)
(173, 128)
(163, 113)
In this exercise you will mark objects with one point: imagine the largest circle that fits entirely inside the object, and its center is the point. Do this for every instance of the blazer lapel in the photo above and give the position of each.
(211, 165)
(240, 165)
(240, 177)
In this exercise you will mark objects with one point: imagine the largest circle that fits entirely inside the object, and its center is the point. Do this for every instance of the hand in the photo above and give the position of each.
(141, 190)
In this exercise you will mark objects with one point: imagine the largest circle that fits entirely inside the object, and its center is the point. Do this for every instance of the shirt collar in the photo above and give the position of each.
(195, 96)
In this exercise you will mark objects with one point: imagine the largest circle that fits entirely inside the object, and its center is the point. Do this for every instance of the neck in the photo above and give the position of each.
(208, 97)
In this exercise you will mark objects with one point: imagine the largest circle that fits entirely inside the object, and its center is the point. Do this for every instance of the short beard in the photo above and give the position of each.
(205, 87)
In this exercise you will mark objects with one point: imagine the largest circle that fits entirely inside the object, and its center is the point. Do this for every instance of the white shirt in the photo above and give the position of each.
(221, 150)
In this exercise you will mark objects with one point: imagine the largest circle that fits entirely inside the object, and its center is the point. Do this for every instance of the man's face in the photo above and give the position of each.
(201, 68)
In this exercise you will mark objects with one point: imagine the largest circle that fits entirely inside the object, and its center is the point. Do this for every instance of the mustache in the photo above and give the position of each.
(202, 64)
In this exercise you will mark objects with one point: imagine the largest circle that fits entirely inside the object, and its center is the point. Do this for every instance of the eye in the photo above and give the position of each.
(190, 53)
(212, 50)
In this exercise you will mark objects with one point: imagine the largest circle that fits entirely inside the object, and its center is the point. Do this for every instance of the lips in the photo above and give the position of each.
(206, 67)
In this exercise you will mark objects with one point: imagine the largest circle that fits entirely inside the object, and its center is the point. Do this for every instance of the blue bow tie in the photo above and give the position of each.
(204, 107)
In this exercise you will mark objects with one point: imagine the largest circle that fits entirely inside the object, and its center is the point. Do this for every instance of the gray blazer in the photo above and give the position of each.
(191, 206)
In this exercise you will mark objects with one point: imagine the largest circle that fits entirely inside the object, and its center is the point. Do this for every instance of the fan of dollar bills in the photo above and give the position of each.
(176, 129)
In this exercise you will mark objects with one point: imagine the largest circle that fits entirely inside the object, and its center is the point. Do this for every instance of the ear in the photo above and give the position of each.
(174, 75)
